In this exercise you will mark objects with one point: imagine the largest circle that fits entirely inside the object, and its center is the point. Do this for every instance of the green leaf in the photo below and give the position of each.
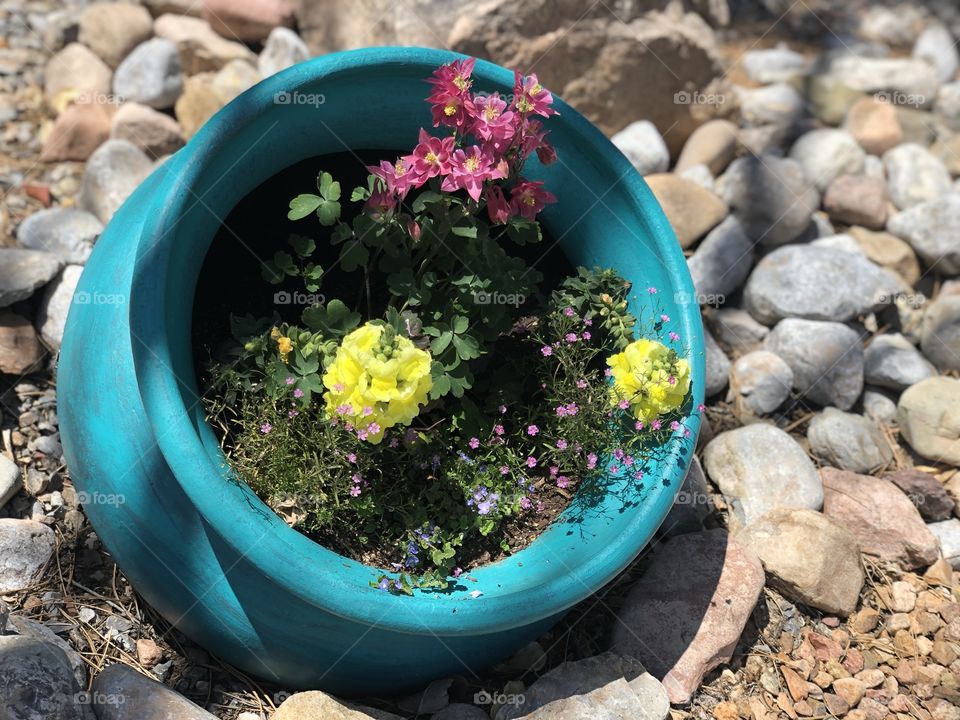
(466, 346)
(328, 212)
(303, 205)
(359, 193)
(467, 231)
(333, 319)
(441, 343)
(328, 187)
(284, 262)
(460, 324)
(353, 255)
(423, 199)
(302, 246)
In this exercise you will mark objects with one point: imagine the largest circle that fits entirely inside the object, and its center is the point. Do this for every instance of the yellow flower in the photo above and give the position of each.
(285, 346)
(649, 378)
(377, 380)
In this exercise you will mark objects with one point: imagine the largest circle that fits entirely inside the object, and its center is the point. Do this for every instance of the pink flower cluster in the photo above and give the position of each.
(490, 141)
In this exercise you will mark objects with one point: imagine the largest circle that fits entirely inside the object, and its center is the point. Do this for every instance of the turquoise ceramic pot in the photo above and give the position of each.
(207, 553)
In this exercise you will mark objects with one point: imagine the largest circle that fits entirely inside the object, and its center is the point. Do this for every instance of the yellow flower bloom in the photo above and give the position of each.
(377, 380)
(650, 378)
(285, 346)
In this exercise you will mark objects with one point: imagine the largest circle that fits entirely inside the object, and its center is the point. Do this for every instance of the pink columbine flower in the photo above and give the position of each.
(469, 168)
(498, 209)
(673, 336)
(546, 350)
(528, 198)
(381, 203)
(266, 427)
(398, 177)
(531, 461)
(431, 156)
(532, 430)
(531, 96)
(474, 443)
(491, 121)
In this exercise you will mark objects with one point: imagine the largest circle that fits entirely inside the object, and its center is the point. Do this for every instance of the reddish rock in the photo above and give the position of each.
(685, 615)
(857, 200)
(925, 492)
(880, 516)
(77, 132)
(19, 348)
(248, 19)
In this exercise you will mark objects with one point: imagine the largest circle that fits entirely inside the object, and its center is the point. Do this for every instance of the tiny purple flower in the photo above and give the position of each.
(546, 350)
(265, 428)
(673, 336)
(298, 393)
(532, 430)
(561, 444)
(474, 443)
(289, 381)
(531, 461)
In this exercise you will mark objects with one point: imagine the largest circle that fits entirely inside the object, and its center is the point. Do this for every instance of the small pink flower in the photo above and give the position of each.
(532, 430)
(474, 443)
(623, 404)
(298, 393)
(572, 409)
(656, 424)
(292, 414)
(289, 381)
(586, 335)
(498, 209)
(528, 198)
(531, 96)
(504, 470)
(344, 409)
(266, 427)
(457, 572)
(671, 380)
(570, 337)
(588, 322)
(503, 409)
(355, 491)
(498, 430)
(561, 444)
(525, 503)
(352, 458)
(367, 411)
(607, 372)
(398, 177)
(701, 407)
(673, 336)
(373, 428)
(665, 318)
(469, 168)
(638, 425)
(491, 121)
(582, 384)
(563, 481)
(652, 290)
(561, 410)
(674, 425)
(569, 312)
(554, 470)
(531, 461)
(338, 387)
(591, 461)
(431, 156)
(546, 350)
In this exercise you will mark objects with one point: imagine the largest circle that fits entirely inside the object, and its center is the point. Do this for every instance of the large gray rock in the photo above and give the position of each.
(905, 81)
(283, 49)
(947, 533)
(112, 173)
(73, 71)
(113, 29)
(879, 405)
(929, 415)
(933, 230)
(760, 381)
(37, 682)
(685, 615)
(151, 75)
(815, 282)
(56, 302)
(22, 271)
(201, 49)
(643, 145)
(143, 698)
(607, 687)
(722, 261)
(771, 196)
(737, 329)
(826, 154)
(914, 175)
(718, 365)
(68, 233)
(891, 361)
(713, 144)
(948, 104)
(25, 548)
(759, 467)
(826, 359)
(312, 704)
(940, 332)
(937, 46)
(10, 482)
(19, 625)
(155, 133)
(808, 557)
(848, 441)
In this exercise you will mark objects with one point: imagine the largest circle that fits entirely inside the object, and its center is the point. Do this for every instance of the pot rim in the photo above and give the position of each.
(283, 555)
